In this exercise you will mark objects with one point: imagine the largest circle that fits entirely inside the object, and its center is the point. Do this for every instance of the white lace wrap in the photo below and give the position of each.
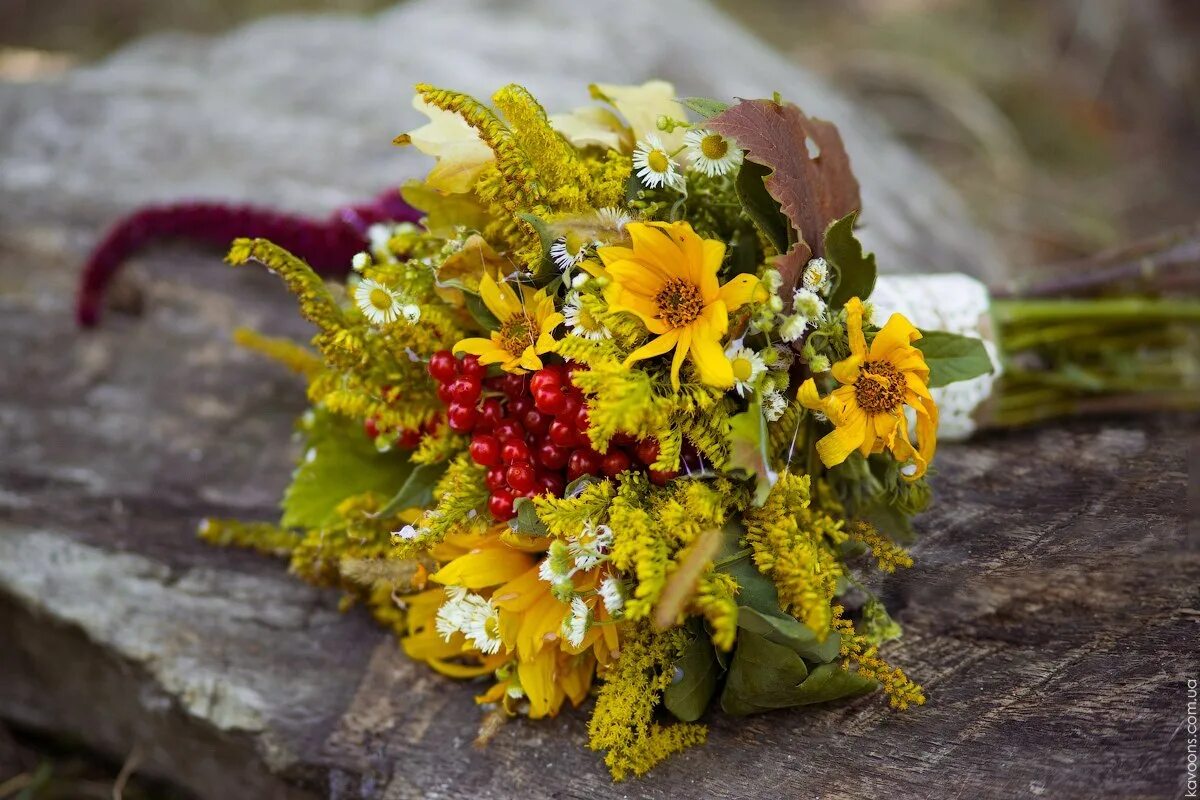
(950, 302)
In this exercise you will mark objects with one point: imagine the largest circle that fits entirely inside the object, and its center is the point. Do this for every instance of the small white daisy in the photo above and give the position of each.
(472, 615)
(379, 304)
(654, 164)
(816, 276)
(581, 322)
(452, 614)
(592, 546)
(711, 153)
(360, 262)
(809, 304)
(575, 624)
(792, 327)
(568, 251)
(612, 218)
(747, 366)
(773, 404)
(612, 592)
(558, 565)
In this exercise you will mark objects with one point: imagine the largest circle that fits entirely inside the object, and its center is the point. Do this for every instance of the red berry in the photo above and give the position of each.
(443, 393)
(615, 462)
(535, 422)
(521, 478)
(466, 390)
(647, 451)
(409, 439)
(461, 418)
(545, 379)
(496, 479)
(490, 412)
(582, 422)
(371, 428)
(514, 450)
(571, 409)
(485, 450)
(582, 462)
(443, 366)
(501, 505)
(512, 385)
(551, 456)
(518, 406)
(562, 434)
(661, 478)
(550, 400)
(472, 368)
(623, 440)
(552, 483)
(508, 429)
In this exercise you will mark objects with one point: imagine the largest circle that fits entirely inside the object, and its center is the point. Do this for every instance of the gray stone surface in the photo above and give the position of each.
(1051, 612)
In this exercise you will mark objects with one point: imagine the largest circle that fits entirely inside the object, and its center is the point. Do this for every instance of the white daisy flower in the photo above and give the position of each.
(360, 262)
(612, 592)
(613, 218)
(773, 404)
(654, 164)
(581, 322)
(809, 304)
(379, 304)
(711, 153)
(452, 614)
(792, 327)
(816, 276)
(568, 251)
(592, 546)
(472, 615)
(747, 366)
(558, 565)
(575, 625)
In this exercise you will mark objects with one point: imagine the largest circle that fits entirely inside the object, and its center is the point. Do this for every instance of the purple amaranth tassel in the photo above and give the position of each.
(327, 245)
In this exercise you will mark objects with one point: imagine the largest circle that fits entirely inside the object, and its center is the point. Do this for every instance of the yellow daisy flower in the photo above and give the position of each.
(669, 280)
(526, 325)
(867, 410)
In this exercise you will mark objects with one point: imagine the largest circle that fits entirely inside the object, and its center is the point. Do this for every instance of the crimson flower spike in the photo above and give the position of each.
(327, 245)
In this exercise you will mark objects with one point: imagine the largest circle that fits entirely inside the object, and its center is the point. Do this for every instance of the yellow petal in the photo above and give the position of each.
(712, 258)
(487, 566)
(846, 370)
(655, 347)
(521, 592)
(478, 347)
(529, 360)
(715, 320)
(646, 310)
(499, 298)
(541, 621)
(537, 679)
(575, 676)
(655, 248)
(639, 276)
(681, 350)
(896, 334)
(854, 315)
(711, 361)
(739, 291)
(844, 439)
(809, 397)
(612, 254)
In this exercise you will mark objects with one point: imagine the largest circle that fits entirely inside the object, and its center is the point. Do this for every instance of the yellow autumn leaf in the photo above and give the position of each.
(461, 155)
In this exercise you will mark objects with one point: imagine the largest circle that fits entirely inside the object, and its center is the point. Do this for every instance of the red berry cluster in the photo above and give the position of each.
(529, 431)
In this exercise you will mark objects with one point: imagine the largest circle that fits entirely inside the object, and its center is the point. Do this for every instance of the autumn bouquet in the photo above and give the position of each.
(621, 415)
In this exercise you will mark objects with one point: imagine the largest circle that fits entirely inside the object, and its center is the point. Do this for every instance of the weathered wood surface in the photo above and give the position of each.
(1051, 614)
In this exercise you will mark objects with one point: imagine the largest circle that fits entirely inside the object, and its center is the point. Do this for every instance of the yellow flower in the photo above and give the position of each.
(669, 280)
(526, 324)
(867, 410)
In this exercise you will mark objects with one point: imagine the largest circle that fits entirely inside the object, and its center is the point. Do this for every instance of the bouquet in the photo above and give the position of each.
(627, 412)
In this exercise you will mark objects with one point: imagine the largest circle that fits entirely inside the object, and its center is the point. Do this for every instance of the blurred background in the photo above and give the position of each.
(1068, 125)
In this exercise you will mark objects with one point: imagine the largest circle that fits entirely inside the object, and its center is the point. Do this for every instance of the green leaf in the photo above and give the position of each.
(340, 461)
(527, 521)
(761, 676)
(748, 449)
(546, 237)
(417, 491)
(695, 681)
(480, 312)
(952, 357)
(830, 682)
(704, 106)
(758, 204)
(855, 269)
(786, 630)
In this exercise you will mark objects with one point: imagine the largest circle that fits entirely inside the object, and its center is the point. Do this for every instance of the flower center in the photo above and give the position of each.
(380, 299)
(679, 302)
(657, 161)
(518, 332)
(574, 243)
(742, 369)
(879, 388)
(714, 146)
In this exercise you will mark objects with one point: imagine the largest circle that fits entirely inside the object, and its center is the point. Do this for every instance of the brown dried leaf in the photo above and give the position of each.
(810, 175)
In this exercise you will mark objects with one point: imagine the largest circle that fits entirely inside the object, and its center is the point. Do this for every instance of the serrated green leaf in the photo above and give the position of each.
(760, 207)
(704, 106)
(339, 462)
(952, 357)
(695, 681)
(417, 491)
(527, 521)
(855, 270)
(784, 629)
